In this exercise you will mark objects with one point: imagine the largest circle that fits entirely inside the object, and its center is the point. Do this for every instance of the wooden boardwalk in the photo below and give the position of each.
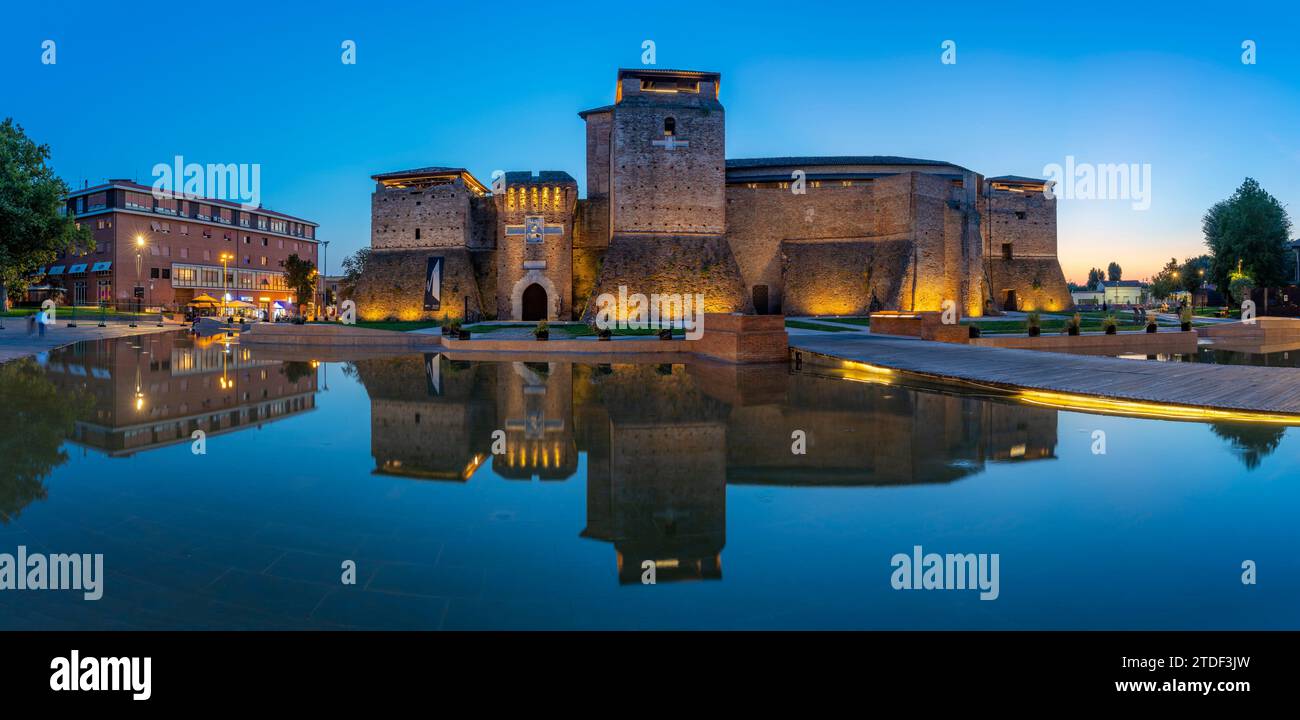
(1240, 388)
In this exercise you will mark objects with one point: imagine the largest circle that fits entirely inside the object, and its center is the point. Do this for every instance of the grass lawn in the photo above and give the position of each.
(398, 325)
(801, 325)
(863, 321)
(81, 310)
(587, 331)
(1020, 327)
(1213, 312)
(484, 328)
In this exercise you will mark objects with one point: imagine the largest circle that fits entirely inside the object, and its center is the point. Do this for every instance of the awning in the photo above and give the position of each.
(78, 268)
(102, 266)
(56, 270)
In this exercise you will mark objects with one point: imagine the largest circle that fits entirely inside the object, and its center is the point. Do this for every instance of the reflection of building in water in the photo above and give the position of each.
(429, 417)
(866, 434)
(155, 390)
(656, 470)
(661, 442)
(535, 408)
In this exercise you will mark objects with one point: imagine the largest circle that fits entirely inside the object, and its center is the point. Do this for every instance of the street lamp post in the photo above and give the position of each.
(225, 260)
(139, 251)
(324, 270)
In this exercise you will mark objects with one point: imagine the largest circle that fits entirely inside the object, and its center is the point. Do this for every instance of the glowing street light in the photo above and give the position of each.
(225, 295)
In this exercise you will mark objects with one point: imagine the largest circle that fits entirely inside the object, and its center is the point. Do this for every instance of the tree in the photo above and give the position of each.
(1095, 276)
(354, 266)
(34, 227)
(300, 277)
(1193, 274)
(1248, 232)
(1167, 281)
(1114, 272)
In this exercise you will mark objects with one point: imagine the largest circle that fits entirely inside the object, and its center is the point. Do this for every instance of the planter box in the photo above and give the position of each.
(736, 338)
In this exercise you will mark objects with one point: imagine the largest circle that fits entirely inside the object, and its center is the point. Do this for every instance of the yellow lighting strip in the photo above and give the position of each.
(874, 369)
(1089, 403)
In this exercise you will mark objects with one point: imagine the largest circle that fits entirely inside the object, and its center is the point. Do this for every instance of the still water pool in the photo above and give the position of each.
(607, 470)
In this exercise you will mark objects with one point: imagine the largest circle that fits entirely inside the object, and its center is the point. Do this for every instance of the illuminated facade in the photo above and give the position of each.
(164, 252)
(666, 212)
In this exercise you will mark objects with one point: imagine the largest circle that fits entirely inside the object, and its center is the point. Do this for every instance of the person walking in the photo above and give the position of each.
(31, 324)
(40, 323)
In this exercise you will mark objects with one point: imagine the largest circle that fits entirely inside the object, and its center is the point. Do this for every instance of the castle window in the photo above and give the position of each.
(1006, 251)
(417, 233)
(1020, 215)
(670, 126)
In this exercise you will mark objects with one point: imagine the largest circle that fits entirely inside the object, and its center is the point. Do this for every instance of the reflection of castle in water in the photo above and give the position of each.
(155, 390)
(661, 442)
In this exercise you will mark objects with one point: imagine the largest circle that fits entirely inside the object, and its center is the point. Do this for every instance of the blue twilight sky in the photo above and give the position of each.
(498, 85)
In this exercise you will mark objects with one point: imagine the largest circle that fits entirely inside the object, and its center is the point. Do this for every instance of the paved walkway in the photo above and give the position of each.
(1224, 387)
(16, 343)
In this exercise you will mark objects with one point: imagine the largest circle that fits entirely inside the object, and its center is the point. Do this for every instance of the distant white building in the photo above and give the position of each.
(1123, 292)
(1086, 297)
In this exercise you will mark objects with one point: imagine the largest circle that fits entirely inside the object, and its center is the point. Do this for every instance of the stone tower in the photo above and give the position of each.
(662, 199)
(534, 244)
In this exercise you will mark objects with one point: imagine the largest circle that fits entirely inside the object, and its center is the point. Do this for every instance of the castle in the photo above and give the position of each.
(666, 212)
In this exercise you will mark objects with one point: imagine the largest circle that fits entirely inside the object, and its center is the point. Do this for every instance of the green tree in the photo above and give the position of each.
(354, 266)
(1167, 281)
(1095, 276)
(33, 225)
(1248, 232)
(1194, 272)
(1114, 272)
(300, 277)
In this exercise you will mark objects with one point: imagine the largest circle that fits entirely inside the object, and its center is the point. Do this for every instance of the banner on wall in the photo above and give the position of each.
(433, 284)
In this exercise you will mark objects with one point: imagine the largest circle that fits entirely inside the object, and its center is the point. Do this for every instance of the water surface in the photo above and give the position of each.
(388, 462)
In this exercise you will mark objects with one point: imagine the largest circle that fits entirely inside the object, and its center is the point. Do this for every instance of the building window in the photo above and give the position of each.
(263, 261)
(1006, 251)
(139, 201)
(1020, 214)
(670, 126)
(264, 242)
(185, 253)
(98, 201)
(417, 233)
(153, 273)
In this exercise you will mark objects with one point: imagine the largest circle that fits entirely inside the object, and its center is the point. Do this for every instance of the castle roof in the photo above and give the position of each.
(432, 172)
(419, 172)
(774, 162)
(602, 109)
(549, 177)
(668, 73)
(1018, 179)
